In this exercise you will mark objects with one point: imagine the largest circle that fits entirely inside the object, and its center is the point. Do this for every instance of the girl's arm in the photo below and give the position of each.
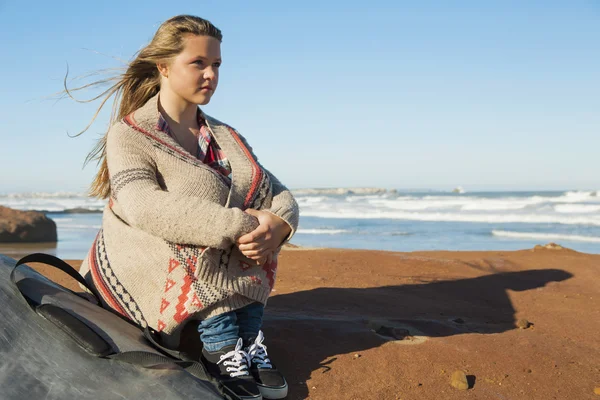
(283, 205)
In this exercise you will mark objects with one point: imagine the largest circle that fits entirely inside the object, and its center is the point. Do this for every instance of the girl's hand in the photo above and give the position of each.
(260, 244)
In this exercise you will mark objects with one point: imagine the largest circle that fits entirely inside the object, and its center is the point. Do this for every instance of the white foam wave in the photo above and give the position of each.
(78, 226)
(307, 200)
(576, 208)
(572, 208)
(474, 203)
(582, 194)
(43, 195)
(51, 202)
(545, 236)
(322, 231)
(455, 217)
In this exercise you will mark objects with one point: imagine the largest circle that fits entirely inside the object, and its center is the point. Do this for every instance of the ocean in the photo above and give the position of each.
(393, 220)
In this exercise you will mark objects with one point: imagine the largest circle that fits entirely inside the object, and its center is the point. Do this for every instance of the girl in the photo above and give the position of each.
(194, 223)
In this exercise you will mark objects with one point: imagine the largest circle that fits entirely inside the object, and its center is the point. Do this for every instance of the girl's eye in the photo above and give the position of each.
(201, 63)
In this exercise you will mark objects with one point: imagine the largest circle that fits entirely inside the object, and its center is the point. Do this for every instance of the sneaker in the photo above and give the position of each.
(270, 381)
(230, 367)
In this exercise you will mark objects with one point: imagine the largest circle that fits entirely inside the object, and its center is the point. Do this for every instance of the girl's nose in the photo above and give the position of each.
(209, 73)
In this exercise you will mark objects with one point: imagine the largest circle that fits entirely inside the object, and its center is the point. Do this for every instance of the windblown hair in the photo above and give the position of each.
(140, 81)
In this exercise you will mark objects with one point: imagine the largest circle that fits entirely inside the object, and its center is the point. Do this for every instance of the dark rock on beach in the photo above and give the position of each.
(78, 210)
(25, 226)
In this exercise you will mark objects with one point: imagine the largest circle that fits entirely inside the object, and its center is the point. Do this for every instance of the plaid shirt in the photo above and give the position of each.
(209, 151)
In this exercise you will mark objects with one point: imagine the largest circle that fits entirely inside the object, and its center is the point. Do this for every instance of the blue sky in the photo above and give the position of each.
(420, 94)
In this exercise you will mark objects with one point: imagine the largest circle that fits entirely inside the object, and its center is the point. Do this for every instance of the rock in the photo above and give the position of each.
(392, 332)
(25, 227)
(597, 391)
(459, 380)
(76, 210)
(554, 246)
(523, 324)
(80, 210)
(549, 246)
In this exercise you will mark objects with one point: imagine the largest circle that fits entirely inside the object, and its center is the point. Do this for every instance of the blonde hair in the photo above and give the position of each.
(140, 81)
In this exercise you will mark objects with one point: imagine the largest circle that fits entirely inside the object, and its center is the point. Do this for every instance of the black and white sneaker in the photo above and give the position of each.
(270, 381)
(230, 366)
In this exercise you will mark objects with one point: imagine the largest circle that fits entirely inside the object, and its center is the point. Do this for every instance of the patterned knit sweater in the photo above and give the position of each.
(166, 251)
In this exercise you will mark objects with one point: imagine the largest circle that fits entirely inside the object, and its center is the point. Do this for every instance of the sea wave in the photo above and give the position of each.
(56, 208)
(392, 233)
(576, 208)
(582, 193)
(545, 236)
(52, 202)
(342, 191)
(455, 217)
(571, 208)
(42, 195)
(457, 203)
(322, 231)
(560, 207)
(77, 226)
(331, 231)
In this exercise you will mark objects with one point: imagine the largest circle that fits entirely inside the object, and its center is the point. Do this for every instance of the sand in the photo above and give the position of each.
(351, 324)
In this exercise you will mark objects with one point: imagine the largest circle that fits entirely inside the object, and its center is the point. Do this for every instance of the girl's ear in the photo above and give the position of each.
(163, 68)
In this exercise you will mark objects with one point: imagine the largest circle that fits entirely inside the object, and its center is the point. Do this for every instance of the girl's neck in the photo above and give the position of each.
(177, 110)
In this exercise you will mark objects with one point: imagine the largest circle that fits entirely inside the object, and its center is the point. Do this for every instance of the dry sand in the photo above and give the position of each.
(451, 311)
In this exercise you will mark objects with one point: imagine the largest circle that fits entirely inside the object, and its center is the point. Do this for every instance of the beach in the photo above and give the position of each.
(356, 324)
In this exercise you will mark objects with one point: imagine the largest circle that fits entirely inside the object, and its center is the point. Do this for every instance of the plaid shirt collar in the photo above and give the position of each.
(209, 151)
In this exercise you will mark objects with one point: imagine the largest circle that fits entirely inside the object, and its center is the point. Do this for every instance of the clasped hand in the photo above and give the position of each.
(260, 244)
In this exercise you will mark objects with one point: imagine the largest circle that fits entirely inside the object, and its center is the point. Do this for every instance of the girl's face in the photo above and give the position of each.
(193, 74)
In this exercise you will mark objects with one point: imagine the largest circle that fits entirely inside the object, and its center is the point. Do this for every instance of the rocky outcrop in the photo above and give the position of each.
(549, 246)
(25, 226)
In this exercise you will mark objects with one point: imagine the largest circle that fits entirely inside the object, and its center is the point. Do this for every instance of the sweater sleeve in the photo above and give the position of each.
(174, 217)
(284, 204)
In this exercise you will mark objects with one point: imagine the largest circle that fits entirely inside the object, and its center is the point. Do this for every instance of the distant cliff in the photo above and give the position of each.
(342, 191)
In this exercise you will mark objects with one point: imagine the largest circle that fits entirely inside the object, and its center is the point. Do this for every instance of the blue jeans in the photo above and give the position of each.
(225, 329)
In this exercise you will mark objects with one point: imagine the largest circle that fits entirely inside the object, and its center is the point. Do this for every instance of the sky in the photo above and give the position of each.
(495, 95)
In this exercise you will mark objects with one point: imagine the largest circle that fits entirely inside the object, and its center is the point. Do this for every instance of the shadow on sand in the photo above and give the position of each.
(296, 323)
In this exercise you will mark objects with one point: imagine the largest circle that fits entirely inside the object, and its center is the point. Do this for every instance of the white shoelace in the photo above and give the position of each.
(257, 352)
(236, 361)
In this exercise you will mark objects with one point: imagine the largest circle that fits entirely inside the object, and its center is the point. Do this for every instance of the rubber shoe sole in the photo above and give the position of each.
(273, 393)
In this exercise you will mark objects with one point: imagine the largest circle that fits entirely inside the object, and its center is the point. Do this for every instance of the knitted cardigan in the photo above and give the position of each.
(166, 250)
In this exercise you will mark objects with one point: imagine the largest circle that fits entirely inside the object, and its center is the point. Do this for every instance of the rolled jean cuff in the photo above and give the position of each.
(216, 346)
